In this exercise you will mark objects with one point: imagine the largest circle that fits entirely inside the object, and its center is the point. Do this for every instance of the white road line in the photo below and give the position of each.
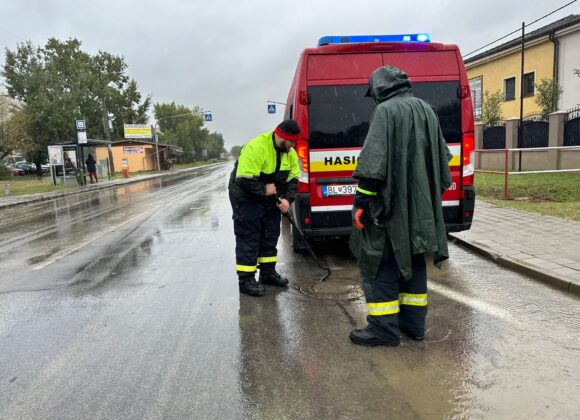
(475, 303)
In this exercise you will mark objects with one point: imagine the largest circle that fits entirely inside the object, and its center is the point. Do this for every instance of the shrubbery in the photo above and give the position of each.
(4, 173)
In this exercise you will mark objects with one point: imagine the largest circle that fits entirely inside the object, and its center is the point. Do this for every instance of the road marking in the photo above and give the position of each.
(470, 301)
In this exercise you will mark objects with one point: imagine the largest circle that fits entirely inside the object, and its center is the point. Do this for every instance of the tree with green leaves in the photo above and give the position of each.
(59, 83)
(235, 151)
(549, 93)
(491, 108)
(184, 127)
(9, 139)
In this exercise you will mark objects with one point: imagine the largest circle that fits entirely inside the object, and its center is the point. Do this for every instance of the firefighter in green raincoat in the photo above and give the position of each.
(402, 172)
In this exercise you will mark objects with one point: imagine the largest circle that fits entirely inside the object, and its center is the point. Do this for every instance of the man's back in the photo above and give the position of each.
(405, 151)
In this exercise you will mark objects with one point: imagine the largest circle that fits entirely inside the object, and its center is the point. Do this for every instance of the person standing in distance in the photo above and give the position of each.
(397, 215)
(262, 185)
(91, 168)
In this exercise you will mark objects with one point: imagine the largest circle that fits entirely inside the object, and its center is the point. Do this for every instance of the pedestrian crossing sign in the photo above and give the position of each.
(271, 108)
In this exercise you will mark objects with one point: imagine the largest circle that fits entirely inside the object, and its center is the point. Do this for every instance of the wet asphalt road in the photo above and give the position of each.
(124, 304)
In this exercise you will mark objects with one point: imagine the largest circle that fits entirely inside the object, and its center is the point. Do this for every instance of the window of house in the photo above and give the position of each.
(476, 91)
(529, 83)
(509, 89)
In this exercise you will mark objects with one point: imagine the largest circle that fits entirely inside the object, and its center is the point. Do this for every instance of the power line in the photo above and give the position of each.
(518, 30)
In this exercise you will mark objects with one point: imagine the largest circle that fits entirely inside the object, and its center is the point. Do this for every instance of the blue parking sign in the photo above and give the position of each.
(271, 108)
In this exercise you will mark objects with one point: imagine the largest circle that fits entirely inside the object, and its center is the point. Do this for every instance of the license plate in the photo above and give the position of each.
(334, 190)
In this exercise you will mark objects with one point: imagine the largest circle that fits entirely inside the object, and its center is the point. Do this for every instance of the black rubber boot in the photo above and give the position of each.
(418, 336)
(250, 286)
(273, 278)
(367, 337)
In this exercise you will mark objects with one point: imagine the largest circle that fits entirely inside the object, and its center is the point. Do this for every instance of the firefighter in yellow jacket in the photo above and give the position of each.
(262, 185)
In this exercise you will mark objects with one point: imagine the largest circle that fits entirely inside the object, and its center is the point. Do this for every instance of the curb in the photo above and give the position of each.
(109, 184)
(517, 265)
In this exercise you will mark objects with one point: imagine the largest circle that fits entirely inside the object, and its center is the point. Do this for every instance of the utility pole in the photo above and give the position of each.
(106, 123)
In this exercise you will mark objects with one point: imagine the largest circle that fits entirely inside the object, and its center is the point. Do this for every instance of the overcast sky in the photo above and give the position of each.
(231, 57)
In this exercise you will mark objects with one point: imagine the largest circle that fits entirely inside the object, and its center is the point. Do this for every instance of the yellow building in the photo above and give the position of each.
(137, 155)
(133, 155)
(499, 69)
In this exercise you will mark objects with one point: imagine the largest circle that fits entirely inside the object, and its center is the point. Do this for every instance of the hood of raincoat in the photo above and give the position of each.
(386, 82)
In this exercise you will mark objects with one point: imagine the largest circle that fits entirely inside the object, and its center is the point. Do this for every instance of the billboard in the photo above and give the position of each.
(137, 131)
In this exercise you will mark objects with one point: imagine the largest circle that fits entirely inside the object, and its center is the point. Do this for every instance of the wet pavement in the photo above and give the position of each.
(545, 247)
(124, 304)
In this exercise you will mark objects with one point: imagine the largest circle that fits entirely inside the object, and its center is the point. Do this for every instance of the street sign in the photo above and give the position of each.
(137, 131)
(81, 125)
(82, 137)
(207, 117)
(271, 108)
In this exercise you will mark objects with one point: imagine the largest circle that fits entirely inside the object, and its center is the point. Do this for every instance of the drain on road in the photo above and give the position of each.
(334, 288)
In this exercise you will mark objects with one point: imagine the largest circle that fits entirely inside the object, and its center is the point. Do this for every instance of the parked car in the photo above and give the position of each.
(15, 171)
(28, 168)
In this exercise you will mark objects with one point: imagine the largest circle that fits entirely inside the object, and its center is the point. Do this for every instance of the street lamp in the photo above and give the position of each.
(202, 111)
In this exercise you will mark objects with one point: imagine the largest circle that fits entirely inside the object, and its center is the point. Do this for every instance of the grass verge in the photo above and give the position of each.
(556, 194)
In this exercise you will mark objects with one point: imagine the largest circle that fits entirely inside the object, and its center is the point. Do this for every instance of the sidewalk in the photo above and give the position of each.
(544, 247)
(103, 183)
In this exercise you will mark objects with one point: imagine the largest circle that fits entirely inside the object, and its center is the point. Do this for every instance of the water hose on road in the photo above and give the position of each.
(319, 263)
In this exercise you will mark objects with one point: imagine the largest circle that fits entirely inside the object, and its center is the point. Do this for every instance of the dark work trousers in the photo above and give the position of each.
(257, 229)
(394, 303)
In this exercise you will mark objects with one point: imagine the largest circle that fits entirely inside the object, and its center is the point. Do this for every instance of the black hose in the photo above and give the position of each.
(309, 248)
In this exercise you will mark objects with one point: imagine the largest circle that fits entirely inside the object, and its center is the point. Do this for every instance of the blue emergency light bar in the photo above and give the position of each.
(349, 39)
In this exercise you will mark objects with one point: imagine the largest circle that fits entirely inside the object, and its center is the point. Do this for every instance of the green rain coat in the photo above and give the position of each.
(405, 151)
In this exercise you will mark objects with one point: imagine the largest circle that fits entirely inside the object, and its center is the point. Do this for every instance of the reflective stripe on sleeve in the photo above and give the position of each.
(247, 268)
(267, 259)
(413, 299)
(383, 308)
(359, 189)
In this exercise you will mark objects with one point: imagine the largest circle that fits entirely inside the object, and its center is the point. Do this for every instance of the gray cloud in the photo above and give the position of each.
(231, 57)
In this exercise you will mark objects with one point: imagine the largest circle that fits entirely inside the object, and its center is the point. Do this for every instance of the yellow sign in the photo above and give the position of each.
(137, 131)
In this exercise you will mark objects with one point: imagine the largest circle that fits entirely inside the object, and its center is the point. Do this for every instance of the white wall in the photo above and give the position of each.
(568, 60)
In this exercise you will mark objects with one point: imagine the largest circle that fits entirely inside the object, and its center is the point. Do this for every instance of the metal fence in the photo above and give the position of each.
(494, 136)
(572, 127)
(535, 131)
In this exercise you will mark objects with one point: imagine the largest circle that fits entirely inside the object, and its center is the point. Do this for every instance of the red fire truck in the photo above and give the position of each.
(327, 99)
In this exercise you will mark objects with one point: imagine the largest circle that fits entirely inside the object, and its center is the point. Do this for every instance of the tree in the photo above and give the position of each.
(181, 126)
(8, 143)
(215, 145)
(184, 127)
(59, 83)
(235, 151)
(548, 96)
(491, 108)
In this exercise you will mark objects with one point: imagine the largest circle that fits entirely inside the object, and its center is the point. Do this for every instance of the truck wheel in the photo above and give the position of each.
(298, 243)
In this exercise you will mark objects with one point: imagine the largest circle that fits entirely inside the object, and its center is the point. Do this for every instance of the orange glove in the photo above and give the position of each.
(357, 216)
